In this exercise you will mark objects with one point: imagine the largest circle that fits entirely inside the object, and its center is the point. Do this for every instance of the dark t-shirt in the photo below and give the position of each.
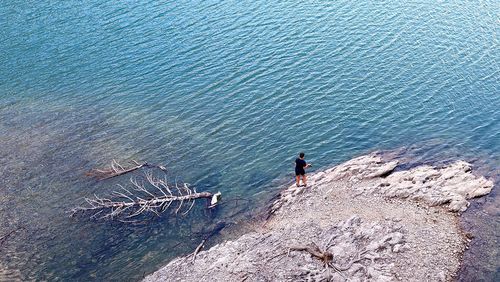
(299, 166)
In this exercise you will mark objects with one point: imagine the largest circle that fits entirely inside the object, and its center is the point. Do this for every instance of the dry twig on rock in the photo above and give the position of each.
(314, 250)
(218, 227)
(327, 257)
(198, 249)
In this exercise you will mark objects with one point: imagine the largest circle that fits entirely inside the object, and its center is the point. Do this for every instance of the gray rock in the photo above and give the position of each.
(345, 211)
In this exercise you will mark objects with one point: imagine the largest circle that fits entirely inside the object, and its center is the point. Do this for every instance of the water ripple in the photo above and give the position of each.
(225, 95)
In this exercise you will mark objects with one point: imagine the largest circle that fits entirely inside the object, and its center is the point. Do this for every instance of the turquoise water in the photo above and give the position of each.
(225, 94)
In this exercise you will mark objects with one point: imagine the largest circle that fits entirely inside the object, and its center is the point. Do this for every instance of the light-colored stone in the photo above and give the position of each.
(451, 186)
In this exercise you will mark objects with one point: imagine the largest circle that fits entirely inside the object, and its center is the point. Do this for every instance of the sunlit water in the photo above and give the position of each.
(225, 94)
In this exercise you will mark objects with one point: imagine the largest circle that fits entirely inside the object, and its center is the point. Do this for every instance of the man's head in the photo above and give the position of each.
(301, 155)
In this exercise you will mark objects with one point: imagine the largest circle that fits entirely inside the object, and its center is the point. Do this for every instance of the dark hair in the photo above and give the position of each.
(301, 154)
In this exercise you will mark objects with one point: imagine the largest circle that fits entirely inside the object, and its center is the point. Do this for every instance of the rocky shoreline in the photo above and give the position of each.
(359, 221)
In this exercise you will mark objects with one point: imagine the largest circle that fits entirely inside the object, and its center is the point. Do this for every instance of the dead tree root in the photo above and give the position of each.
(314, 250)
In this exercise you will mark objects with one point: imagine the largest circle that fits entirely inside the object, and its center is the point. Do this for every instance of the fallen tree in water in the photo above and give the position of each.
(117, 169)
(149, 194)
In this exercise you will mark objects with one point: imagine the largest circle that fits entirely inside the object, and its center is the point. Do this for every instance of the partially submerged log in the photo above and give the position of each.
(5, 237)
(117, 169)
(149, 194)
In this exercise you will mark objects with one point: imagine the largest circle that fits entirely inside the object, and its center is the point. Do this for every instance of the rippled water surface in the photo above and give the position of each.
(225, 94)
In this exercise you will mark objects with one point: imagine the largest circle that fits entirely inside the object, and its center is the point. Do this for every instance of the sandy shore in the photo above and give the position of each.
(370, 221)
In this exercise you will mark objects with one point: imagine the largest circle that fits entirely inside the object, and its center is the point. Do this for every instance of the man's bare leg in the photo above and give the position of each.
(304, 179)
(297, 179)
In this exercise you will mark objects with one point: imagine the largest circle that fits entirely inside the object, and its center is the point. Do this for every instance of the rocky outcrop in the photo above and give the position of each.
(353, 222)
(450, 186)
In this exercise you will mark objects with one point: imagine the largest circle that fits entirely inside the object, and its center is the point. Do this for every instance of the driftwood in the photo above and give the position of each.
(216, 230)
(151, 194)
(116, 169)
(327, 257)
(198, 249)
(314, 250)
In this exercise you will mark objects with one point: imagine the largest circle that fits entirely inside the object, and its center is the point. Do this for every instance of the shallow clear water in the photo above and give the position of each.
(225, 94)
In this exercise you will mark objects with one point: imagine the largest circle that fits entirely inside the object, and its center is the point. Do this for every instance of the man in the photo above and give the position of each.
(300, 166)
